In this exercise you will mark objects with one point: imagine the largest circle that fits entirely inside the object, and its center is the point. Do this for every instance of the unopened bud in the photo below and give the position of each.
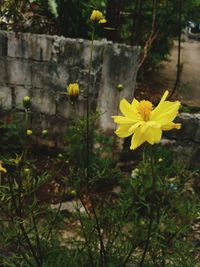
(120, 87)
(26, 102)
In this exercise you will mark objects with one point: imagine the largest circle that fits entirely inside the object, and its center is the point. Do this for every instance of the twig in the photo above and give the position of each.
(153, 35)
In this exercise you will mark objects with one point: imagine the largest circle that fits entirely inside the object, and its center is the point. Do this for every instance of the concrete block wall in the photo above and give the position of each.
(41, 66)
(186, 141)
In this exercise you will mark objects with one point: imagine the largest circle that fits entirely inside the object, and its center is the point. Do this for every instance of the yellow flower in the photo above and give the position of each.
(144, 122)
(73, 89)
(29, 132)
(2, 169)
(97, 16)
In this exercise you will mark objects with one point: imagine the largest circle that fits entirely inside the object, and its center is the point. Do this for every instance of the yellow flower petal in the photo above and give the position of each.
(148, 124)
(166, 112)
(164, 97)
(137, 139)
(153, 135)
(2, 169)
(136, 125)
(170, 126)
(102, 21)
(123, 131)
(128, 110)
(123, 120)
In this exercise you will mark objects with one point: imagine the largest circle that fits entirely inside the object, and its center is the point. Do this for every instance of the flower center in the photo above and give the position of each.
(144, 109)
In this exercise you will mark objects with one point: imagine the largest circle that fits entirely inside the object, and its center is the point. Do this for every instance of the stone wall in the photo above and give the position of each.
(41, 66)
(186, 141)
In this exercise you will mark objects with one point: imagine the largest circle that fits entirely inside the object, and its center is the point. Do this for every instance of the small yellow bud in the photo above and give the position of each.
(29, 132)
(2, 169)
(160, 160)
(73, 91)
(26, 102)
(97, 16)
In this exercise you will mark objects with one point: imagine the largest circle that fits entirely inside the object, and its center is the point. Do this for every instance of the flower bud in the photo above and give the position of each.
(26, 171)
(26, 102)
(120, 87)
(97, 16)
(29, 132)
(73, 91)
(60, 155)
(45, 133)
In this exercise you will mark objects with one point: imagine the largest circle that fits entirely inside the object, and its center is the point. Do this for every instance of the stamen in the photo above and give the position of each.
(144, 109)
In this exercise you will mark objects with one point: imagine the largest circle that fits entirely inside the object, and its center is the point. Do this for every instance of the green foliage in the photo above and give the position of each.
(71, 18)
(110, 206)
(11, 132)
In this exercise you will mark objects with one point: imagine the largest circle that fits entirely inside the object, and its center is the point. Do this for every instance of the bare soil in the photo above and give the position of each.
(188, 91)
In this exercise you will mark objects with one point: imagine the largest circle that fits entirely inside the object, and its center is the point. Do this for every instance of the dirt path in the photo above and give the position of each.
(189, 88)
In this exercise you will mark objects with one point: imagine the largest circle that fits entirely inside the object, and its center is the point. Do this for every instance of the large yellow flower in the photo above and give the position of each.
(144, 122)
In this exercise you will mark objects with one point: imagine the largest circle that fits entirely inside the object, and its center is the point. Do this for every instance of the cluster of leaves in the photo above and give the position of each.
(11, 132)
(68, 18)
(28, 16)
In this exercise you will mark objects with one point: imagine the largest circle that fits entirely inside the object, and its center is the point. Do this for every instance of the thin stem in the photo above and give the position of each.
(151, 208)
(178, 73)
(88, 146)
(37, 237)
(56, 216)
(147, 242)
(88, 107)
(102, 248)
(85, 235)
(21, 224)
(26, 139)
(54, 220)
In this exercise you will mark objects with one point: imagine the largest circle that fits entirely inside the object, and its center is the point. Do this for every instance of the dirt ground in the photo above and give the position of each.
(188, 91)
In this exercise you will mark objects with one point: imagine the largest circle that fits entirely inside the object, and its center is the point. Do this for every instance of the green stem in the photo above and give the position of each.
(98, 227)
(56, 216)
(151, 209)
(21, 224)
(85, 236)
(88, 107)
(37, 238)
(26, 139)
